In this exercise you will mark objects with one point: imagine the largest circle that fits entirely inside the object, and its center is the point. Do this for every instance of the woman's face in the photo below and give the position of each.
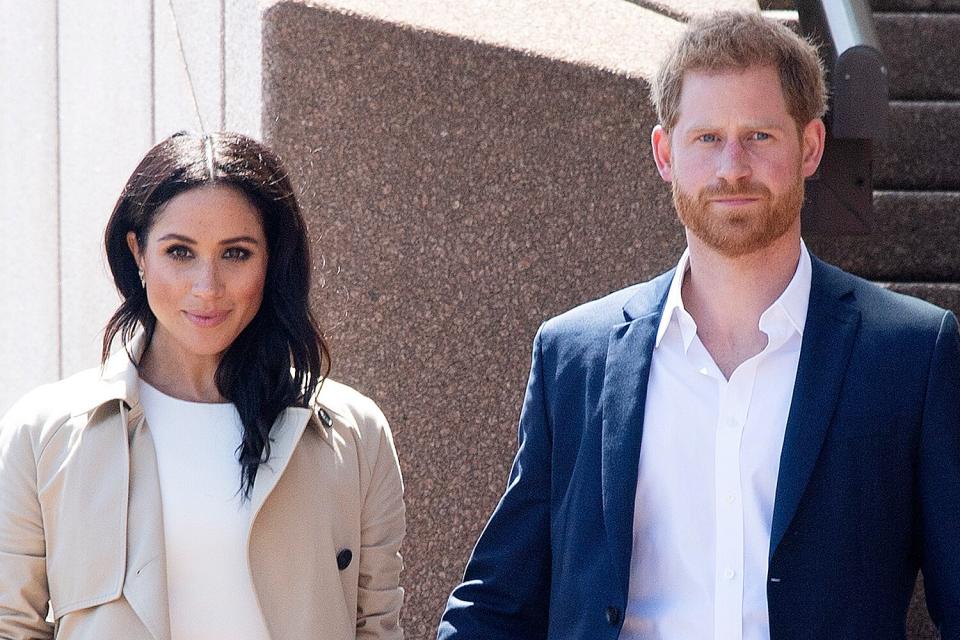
(204, 265)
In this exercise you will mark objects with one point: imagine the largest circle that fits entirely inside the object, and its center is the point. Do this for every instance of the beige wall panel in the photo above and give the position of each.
(29, 323)
(201, 27)
(243, 59)
(105, 127)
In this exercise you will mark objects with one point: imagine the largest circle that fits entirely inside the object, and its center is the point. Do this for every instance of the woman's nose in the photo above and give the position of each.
(208, 281)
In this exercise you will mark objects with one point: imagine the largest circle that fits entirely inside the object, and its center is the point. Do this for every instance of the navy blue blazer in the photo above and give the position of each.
(868, 488)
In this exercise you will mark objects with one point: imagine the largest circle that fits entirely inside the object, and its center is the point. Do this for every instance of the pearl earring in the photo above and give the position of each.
(142, 280)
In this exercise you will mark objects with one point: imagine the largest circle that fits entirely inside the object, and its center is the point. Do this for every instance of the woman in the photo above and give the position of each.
(207, 481)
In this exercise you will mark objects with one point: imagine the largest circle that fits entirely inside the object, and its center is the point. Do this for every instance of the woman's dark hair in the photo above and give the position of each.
(280, 359)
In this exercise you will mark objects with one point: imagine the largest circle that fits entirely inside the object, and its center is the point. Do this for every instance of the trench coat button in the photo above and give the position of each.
(325, 418)
(344, 558)
(613, 616)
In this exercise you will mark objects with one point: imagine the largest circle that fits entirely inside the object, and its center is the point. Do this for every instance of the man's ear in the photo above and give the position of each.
(135, 249)
(812, 141)
(660, 141)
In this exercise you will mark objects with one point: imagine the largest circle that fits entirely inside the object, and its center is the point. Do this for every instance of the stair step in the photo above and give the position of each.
(920, 48)
(879, 5)
(922, 54)
(942, 294)
(915, 5)
(916, 236)
(920, 150)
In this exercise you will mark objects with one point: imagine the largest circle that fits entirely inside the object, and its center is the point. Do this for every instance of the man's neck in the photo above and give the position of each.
(726, 296)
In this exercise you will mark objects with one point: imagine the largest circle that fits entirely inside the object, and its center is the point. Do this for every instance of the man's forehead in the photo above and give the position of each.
(754, 94)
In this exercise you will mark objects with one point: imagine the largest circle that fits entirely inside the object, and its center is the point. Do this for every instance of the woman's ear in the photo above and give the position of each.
(135, 249)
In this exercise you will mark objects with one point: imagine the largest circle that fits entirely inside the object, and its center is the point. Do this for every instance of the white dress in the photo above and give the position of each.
(206, 522)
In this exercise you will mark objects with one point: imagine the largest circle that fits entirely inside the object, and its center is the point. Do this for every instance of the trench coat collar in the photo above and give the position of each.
(119, 379)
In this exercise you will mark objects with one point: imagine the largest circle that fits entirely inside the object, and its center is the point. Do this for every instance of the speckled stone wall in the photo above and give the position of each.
(459, 194)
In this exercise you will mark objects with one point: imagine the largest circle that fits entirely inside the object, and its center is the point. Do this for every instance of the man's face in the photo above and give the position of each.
(736, 160)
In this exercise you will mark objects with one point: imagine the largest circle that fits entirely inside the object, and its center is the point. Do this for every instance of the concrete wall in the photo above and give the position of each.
(461, 188)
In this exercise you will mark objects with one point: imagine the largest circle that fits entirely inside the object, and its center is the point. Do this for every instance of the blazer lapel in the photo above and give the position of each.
(145, 586)
(629, 351)
(828, 339)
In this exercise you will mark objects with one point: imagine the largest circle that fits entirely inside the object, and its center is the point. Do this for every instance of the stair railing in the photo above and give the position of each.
(840, 195)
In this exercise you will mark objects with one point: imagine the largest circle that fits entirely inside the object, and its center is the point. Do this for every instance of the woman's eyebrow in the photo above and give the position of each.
(178, 237)
(188, 240)
(249, 239)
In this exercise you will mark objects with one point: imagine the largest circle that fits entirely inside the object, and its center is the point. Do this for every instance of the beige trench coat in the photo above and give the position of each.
(81, 518)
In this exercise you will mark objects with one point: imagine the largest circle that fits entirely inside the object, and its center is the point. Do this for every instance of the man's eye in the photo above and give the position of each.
(761, 135)
(236, 253)
(178, 252)
(708, 137)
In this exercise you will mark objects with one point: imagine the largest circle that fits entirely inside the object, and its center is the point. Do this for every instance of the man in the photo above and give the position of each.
(800, 427)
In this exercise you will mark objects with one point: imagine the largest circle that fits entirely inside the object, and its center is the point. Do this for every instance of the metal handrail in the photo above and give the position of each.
(857, 71)
(840, 196)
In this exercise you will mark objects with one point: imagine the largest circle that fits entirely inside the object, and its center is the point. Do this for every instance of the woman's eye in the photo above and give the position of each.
(178, 252)
(236, 253)
(708, 137)
(760, 135)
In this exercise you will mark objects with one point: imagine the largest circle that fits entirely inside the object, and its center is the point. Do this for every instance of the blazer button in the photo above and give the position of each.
(613, 616)
(344, 558)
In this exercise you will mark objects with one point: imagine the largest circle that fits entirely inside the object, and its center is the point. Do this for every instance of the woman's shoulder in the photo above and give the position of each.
(45, 409)
(349, 404)
(343, 408)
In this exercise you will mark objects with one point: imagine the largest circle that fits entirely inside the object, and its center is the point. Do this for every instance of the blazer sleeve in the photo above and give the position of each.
(383, 525)
(938, 483)
(505, 590)
(24, 594)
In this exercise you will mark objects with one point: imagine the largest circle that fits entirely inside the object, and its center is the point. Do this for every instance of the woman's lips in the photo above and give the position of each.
(206, 319)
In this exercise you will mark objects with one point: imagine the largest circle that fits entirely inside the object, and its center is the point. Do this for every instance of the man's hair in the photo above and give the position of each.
(734, 41)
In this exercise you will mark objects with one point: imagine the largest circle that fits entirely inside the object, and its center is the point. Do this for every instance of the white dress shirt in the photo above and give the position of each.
(205, 522)
(709, 460)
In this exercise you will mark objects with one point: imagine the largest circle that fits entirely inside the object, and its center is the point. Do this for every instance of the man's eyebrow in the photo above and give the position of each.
(759, 124)
(188, 240)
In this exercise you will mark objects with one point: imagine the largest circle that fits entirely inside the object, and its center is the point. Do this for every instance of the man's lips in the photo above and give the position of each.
(206, 318)
(735, 201)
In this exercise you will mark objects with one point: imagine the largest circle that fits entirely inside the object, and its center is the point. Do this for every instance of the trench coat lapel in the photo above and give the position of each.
(145, 587)
(115, 409)
(627, 370)
(828, 339)
(285, 435)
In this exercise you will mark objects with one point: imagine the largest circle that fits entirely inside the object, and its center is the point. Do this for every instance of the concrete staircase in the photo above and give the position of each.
(915, 243)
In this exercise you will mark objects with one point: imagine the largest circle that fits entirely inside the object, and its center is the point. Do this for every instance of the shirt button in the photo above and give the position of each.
(613, 616)
(730, 498)
(729, 574)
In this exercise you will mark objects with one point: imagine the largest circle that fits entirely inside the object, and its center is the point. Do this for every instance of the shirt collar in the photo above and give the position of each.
(788, 311)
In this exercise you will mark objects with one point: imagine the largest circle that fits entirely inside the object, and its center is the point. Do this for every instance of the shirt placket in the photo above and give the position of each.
(734, 401)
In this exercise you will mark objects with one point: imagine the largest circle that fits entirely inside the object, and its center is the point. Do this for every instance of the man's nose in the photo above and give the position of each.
(733, 164)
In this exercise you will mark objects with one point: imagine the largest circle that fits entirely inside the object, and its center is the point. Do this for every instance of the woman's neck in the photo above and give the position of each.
(167, 367)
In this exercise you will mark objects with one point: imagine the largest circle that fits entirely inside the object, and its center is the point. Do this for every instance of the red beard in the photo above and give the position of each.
(745, 230)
